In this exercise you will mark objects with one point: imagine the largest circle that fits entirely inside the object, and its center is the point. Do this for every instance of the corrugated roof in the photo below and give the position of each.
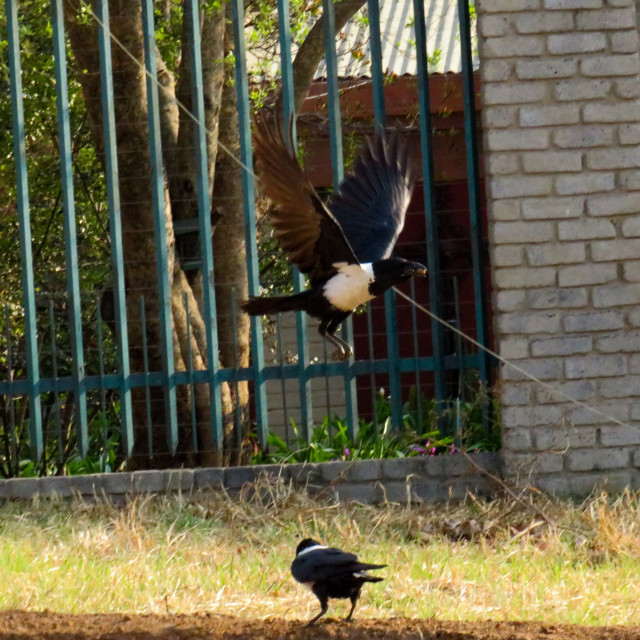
(397, 35)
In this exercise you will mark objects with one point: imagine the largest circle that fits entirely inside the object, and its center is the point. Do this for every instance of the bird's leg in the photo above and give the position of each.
(354, 598)
(344, 349)
(324, 603)
(326, 330)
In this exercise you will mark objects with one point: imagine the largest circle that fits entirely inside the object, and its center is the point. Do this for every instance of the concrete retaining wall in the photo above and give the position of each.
(433, 479)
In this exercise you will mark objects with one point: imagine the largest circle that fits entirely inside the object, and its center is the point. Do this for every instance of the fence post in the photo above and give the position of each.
(70, 238)
(337, 165)
(115, 227)
(475, 210)
(433, 259)
(204, 219)
(157, 189)
(24, 218)
(390, 309)
(289, 115)
(248, 195)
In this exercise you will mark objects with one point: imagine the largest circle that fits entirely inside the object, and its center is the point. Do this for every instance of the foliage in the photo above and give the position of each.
(49, 251)
(43, 164)
(60, 455)
(423, 433)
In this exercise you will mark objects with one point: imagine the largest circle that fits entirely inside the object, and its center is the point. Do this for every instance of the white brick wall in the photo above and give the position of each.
(561, 118)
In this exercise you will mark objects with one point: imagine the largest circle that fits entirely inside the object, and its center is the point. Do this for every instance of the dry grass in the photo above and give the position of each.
(479, 560)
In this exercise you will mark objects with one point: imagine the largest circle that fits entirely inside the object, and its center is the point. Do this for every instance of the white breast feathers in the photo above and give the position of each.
(349, 288)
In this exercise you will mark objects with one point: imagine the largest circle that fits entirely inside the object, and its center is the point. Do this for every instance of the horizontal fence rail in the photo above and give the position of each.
(122, 343)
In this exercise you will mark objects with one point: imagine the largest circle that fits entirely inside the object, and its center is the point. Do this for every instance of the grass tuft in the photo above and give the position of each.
(531, 559)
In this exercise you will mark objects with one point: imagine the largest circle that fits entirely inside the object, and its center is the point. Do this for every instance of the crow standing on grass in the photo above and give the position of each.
(331, 573)
(345, 244)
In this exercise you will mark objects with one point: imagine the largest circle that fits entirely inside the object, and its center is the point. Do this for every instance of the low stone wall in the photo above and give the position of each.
(431, 479)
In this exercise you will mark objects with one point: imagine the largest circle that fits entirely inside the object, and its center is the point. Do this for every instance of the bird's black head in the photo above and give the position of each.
(393, 271)
(305, 544)
(412, 270)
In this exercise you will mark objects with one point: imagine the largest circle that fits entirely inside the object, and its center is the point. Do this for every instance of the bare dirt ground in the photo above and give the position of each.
(20, 625)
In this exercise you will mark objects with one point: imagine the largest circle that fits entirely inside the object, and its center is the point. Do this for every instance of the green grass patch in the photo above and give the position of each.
(208, 552)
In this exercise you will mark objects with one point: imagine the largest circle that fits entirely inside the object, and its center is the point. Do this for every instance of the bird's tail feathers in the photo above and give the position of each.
(275, 304)
(366, 577)
(363, 569)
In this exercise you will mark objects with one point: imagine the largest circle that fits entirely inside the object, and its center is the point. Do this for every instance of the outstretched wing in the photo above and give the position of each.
(372, 201)
(304, 227)
(324, 564)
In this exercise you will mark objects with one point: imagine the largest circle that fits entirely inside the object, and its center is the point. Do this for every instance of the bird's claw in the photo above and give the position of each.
(340, 355)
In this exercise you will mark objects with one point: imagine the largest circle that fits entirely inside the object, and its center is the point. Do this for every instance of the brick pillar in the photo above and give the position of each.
(562, 136)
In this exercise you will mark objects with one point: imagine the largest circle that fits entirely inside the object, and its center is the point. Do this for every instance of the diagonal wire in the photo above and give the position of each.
(422, 308)
(180, 104)
(515, 367)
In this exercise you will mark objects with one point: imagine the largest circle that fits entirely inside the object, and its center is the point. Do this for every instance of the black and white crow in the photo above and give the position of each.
(344, 246)
(331, 573)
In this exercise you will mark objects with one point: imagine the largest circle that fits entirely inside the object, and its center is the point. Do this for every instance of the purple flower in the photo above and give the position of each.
(418, 449)
(347, 453)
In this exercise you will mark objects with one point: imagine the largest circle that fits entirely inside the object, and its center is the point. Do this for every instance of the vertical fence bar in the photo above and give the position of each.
(194, 424)
(372, 375)
(13, 440)
(70, 238)
(416, 355)
(204, 221)
(103, 392)
(147, 385)
(475, 210)
(433, 259)
(236, 378)
(337, 165)
(390, 310)
(24, 218)
(377, 79)
(306, 405)
(286, 67)
(458, 340)
(115, 227)
(54, 371)
(248, 196)
(157, 187)
(283, 380)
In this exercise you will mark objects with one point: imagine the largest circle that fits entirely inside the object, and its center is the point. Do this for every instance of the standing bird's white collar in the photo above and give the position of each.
(314, 548)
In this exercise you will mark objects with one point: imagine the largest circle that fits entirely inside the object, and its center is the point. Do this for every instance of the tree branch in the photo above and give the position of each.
(311, 52)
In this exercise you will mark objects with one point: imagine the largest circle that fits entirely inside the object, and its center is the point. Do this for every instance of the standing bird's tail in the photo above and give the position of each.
(362, 569)
(265, 306)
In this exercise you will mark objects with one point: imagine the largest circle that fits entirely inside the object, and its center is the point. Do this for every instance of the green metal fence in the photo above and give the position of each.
(98, 372)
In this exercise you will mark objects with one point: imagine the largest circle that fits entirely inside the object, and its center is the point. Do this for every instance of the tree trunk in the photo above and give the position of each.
(137, 215)
(181, 156)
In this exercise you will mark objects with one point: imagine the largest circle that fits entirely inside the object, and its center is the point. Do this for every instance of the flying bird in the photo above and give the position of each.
(331, 573)
(344, 246)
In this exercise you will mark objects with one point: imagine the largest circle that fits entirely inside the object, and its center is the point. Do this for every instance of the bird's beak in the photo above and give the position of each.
(416, 271)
